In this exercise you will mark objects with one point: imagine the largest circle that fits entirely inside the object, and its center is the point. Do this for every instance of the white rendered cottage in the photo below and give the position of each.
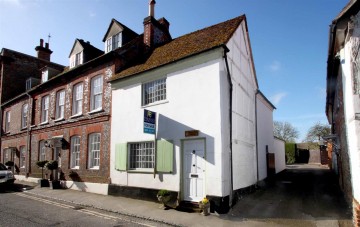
(202, 87)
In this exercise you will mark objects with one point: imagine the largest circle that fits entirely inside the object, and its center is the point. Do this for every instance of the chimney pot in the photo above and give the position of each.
(46, 45)
(152, 8)
(41, 42)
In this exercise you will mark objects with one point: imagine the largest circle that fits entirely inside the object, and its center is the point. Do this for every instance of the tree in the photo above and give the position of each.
(285, 131)
(316, 131)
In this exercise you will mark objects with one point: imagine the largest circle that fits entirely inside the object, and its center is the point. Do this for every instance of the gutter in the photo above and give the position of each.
(256, 137)
(230, 119)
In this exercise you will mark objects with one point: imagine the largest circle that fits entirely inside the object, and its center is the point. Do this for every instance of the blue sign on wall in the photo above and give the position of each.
(149, 121)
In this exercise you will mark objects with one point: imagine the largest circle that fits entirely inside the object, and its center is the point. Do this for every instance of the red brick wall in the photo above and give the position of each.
(83, 126)
(356, 213)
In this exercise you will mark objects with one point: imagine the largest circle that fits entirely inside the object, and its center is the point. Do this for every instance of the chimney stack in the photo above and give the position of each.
(43, 52)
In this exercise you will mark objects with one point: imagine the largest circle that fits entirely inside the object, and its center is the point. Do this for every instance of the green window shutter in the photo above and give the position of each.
(164, 156)
(121, 156)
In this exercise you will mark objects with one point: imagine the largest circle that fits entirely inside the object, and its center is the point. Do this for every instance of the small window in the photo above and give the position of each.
(44, 76)
(96, 93)
(113, 42)
(76, 59)
(7, 121)
(154, 91)
(141, 155)
(77, 99)
(60, 104)
(24, 115)
(75, 152)
(22, 156)
(94, 151)
(42, 150)
(45, 109)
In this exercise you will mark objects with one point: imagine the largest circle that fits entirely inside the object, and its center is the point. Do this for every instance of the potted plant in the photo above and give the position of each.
(43, 182)
(164, 196)
(204, 205)
(53, 165)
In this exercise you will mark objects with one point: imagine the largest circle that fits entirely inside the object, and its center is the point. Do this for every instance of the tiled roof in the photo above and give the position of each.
(184, 46)
(90, 51)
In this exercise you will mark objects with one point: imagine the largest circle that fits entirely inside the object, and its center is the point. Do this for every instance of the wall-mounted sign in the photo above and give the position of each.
(149, 122)
(191, 133)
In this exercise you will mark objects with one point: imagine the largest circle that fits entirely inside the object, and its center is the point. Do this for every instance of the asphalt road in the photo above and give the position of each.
(301, 194)
(18, 208)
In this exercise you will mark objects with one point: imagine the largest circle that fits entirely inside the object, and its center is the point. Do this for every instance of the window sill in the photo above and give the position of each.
(44, 123)
(94, 168)
(76, 115)
(59, 119)
(155, 103)
(141, 171)
(96, 111)
(76, 168)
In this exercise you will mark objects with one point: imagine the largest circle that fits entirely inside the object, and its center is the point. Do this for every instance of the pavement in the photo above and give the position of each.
(255, 209)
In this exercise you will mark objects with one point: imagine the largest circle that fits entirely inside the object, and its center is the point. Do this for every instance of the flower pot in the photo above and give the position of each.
(205, 208)
(55, 184)
(44, 183)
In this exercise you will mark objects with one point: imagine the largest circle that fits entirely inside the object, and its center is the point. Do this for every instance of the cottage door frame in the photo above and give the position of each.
(193, 169)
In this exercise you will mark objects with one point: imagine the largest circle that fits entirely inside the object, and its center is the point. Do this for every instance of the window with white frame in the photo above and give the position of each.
(44, 75)
(77, 99)
(96, 93)
(7, 121)
(75, 152)
(60, 104)
(141, 155)
(113, 42)
(154, 91)
(22, 156)
(76, 59)
(42, 150)
(24, 115)
(94, 151)
(45, 109)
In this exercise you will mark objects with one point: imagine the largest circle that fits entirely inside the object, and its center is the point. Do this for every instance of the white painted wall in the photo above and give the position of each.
(351, 107)
(265, 134)
(193, 102)
(243, 112)
(279, 150)
(197, 98)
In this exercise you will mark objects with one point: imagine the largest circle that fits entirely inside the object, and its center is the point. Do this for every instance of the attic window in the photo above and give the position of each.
(76, 59)
(113, 42)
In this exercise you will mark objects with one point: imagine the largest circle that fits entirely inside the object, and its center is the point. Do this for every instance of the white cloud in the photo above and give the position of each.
(275, 66)
(92, 14)
(275, 99)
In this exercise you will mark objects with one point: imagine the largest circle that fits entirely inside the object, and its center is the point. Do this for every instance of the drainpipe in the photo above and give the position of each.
(230, 119)
(256, 138)
(28, 165)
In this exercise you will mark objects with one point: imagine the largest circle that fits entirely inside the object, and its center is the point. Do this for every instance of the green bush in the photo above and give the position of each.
(290, 149)
(163, 192)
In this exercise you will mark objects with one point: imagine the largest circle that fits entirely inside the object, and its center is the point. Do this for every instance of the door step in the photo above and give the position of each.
(190, 207)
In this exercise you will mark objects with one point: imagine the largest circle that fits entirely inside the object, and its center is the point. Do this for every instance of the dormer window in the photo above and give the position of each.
(44, 76)
(113, 42)
(76, 59)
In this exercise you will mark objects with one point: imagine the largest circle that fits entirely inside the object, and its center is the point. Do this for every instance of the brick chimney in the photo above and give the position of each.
(43, 52)
(151, 25)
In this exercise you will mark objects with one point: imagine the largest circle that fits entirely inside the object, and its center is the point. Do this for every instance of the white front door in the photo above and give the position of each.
(194, 170)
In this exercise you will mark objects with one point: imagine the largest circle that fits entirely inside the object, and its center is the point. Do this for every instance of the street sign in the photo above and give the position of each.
(149, 122)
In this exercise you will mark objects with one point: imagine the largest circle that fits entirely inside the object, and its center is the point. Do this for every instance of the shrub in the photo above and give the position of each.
(52, 165)
(163, 192)
(290, 149)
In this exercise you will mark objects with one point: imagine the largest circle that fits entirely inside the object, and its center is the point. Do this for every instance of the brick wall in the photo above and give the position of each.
(83, 125)
(356, 213)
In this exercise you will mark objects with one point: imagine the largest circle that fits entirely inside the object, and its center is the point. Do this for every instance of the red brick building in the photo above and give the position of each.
(53, 112)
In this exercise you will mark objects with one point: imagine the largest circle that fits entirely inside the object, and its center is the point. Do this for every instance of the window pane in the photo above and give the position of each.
(77, 99)
(154, 91)
(142, 155)
(94, 150)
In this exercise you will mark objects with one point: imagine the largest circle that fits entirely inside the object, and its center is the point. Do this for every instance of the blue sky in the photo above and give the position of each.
(289, 38)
